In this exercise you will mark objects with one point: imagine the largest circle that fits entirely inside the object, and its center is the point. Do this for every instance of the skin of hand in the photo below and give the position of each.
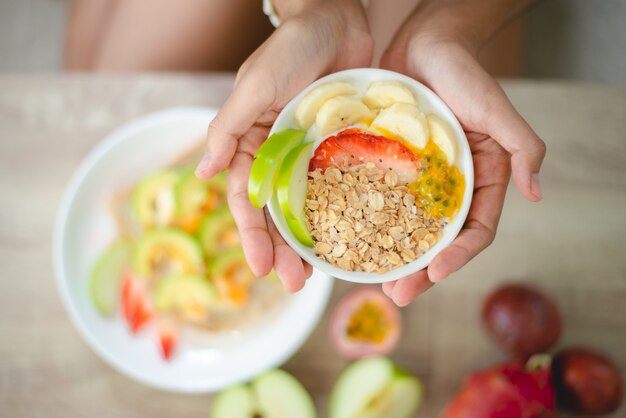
(500, 139)
(320, 37)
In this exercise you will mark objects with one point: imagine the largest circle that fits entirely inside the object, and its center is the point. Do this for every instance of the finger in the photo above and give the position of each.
(308, 269)
(388, 288)
(527, 150)
(255, 239)
(290, 268)
(247, 103)
(476, 235)
(407, 289)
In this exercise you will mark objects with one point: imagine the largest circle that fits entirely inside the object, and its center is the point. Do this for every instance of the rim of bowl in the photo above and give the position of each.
(451, 230)
(105, 145)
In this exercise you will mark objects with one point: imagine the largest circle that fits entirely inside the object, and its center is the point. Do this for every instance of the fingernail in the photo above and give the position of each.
(535, 188)
(402, 304)
(203, 165)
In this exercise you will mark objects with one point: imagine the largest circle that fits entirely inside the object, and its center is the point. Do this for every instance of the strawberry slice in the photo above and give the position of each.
(136, 306)
(168, 338)
(353, 147)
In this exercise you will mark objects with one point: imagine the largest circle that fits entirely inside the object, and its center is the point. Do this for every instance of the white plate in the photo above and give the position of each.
(429, 102)
(84, 227)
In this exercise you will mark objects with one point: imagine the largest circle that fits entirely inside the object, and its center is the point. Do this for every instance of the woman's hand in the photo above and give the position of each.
(324, 37)
(436, 48)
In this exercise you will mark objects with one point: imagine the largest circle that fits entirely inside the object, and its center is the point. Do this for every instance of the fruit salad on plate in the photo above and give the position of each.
(367, 180)
(177, 261)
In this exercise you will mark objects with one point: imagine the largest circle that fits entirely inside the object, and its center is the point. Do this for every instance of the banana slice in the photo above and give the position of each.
(443, 136)
(313, 100)
(340, 112)
(405, 121)
(382, 94)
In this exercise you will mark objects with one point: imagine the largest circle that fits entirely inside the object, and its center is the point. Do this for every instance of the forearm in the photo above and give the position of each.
(471, 22)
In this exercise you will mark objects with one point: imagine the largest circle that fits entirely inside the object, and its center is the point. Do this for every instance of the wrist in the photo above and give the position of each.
(469, 23)
(286, 9)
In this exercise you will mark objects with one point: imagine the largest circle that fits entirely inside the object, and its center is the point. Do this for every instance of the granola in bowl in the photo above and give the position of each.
(364, 220)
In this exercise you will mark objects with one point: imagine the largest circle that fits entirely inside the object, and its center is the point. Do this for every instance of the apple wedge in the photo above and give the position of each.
(266, 163)
(375, 388)
(274, 394)
(106, 277)
(291, 189)
(235, 402)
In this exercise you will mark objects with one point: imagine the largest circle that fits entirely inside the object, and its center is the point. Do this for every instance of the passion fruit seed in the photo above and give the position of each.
(369, 323)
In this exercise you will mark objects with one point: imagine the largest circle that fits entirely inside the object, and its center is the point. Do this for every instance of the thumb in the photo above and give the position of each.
(247, 103)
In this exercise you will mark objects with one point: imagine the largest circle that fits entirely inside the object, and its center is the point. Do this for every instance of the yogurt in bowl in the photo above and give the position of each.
(368, 175)
(204, 360)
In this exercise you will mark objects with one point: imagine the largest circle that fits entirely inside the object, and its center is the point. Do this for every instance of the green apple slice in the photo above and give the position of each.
(298, 227)
(274, 394)
(291, 190)
(106, 276)
(266, 163)
(280, 395)
(375, 388)
(189, 295)
(152, 199)
(235, 402)
(164, 251)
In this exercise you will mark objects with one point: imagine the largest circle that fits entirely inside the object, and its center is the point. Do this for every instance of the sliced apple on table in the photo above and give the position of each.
(274, 394)
(235, 402)
(291, 191)
(340, 112)
(384, 93)
(307, 109)
(404, 121)
(266, 163)
(375, 388)
(441, 133)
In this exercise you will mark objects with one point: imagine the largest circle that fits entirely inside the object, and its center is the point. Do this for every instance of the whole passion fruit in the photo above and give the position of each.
(521, 320)
(587, 382)
(365, 323)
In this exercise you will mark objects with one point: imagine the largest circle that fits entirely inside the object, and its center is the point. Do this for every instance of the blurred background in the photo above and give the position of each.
(571, 39)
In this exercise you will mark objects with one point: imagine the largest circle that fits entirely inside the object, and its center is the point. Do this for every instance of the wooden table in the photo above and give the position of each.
(572, 245)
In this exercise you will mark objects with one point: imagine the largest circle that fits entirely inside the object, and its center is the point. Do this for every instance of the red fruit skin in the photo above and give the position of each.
(168, 339)
(505, 391)
(136, 307)
(587, 382)
(355, 147)
(350, 349)
(521, 320)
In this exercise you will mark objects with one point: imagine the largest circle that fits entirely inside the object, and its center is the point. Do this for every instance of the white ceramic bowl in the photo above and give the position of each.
(84, 228)
(429, 102)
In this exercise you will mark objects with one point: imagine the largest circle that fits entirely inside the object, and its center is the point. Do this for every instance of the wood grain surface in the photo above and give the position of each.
(572, 245)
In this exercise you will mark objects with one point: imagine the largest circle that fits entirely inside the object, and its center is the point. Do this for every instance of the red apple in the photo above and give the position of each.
(587, 382)
(521, 320)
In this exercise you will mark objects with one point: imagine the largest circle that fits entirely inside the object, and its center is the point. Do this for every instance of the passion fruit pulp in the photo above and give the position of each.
(365, 323)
